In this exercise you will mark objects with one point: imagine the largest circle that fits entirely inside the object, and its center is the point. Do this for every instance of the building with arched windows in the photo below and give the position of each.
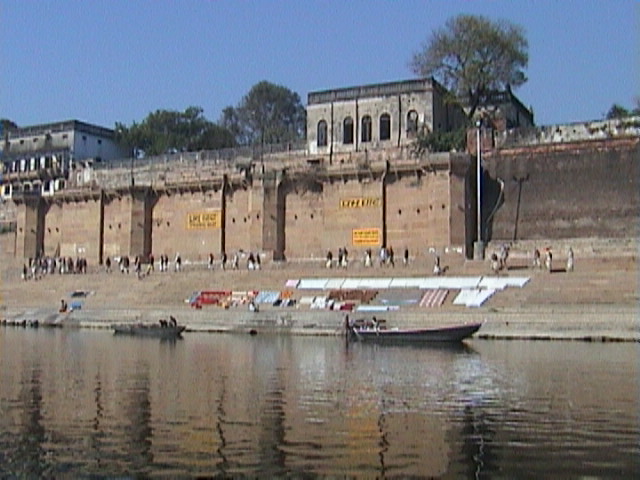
(376, 116)
(357, 183)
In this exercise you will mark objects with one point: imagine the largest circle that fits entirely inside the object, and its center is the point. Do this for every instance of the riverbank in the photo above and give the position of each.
(597, 301)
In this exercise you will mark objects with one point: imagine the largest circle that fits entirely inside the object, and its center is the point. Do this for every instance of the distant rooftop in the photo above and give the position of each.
(373, 90)
(64, 126)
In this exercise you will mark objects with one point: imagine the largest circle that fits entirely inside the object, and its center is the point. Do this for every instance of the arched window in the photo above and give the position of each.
(412, 123)
(347, 131)
(385, 126)
(366, 129)
(322, 133)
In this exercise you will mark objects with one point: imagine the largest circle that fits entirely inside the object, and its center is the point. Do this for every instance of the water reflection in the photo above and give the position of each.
(477, 452)
(86, 403)
(29, 453)
(137, 413)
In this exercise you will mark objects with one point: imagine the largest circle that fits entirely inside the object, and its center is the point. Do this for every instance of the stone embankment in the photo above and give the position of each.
(599, 300)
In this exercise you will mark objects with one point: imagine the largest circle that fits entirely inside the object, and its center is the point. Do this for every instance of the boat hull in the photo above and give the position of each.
(452, 334)
(154, 331)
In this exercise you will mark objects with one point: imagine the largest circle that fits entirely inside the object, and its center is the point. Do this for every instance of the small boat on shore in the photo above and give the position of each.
(162, 329)
(376, 332)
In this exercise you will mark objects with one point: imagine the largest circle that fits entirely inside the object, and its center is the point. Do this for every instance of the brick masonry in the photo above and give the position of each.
(579, 189)
(302, 205)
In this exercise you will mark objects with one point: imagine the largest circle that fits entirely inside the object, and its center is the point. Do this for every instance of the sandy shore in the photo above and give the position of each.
(596, 302)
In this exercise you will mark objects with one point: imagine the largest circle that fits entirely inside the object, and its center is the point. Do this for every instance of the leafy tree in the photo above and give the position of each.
(473, 56)
(169, 131)
(618, 111)
(230, 120)
(267, 114)
(6, 124)
(440, 141)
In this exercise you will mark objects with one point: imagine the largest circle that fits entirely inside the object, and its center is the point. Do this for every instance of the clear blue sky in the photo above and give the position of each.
(117, 60)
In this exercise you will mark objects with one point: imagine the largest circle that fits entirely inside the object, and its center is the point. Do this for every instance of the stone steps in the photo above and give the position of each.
(596, 280)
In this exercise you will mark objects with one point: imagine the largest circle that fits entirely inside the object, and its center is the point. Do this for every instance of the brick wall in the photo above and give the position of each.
(298, 209)
(53, 229)
(571, 190)
(80, 227)
(169, 229)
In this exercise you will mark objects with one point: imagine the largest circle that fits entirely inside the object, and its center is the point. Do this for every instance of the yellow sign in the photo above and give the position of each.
(365, 237)
(204, 220)
(360, 202)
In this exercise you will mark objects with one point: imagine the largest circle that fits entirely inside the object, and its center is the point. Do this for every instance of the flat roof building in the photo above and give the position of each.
(381, 115)
(39, 158)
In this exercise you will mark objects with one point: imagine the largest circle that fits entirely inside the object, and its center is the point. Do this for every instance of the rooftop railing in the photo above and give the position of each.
(226, 155)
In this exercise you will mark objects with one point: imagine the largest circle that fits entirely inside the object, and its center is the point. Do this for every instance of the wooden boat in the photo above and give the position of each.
(366, 332)
(156, 330)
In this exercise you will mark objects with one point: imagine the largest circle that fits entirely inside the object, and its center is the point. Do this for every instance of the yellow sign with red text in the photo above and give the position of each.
(204, 220)
(360, 202)
(365, 237)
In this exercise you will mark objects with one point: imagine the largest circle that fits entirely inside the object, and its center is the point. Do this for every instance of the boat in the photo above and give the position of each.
(162, 329)
(376, 332)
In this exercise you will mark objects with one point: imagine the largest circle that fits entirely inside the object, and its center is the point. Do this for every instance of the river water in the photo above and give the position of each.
(87, 404)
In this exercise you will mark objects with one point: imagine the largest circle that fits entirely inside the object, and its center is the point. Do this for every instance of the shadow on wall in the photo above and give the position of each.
(492, 201)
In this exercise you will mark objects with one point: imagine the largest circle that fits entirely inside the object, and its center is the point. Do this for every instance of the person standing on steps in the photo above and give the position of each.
(570, 260)
(548, 260)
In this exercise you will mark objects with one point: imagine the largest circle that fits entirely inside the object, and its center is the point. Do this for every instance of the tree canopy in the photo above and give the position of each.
(268, 113)
(473, 56)
(171, 131)
(7, 124)
(440, 141)
(618, 111)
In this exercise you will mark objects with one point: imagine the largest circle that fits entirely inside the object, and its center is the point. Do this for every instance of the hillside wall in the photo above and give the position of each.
(301, 206)
(569, 190)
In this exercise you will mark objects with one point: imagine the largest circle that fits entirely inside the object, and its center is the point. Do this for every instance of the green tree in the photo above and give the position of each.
(6, 124)
(618, 111)
(440, 141)
(170, 131)
(473, 56)
(267, 114)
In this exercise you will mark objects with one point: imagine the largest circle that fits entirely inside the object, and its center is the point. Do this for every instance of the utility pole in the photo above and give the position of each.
(478, 246)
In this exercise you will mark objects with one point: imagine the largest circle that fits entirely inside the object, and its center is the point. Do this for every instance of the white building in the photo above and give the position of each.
(38, 159)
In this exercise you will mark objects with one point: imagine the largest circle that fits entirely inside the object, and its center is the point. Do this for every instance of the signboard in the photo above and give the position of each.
(203, 220)
(360, 202)
(366, 237)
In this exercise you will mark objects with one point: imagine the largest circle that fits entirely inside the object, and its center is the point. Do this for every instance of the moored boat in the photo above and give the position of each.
(162, 329)
(373, 332)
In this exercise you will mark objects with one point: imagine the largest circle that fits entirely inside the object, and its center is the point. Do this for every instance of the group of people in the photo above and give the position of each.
(548, 259)
(38, 267)
(172, 322)
(253, 261)
(342, 260)
(124, 263)
(499, 260)
(386, 257)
